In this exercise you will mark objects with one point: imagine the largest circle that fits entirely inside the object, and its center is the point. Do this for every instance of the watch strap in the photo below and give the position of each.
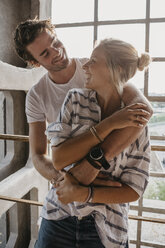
(104, 163)
(102, 160)
(92, 162)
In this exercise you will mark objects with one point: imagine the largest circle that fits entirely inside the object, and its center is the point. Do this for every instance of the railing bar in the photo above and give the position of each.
(8, 198)
(148, 219)
(157, 148)
(149, 210)
(157, 137)
(157, 174)
(14, 137)
(133, 217)
(147, 244)
(24, 138)
(143, 243)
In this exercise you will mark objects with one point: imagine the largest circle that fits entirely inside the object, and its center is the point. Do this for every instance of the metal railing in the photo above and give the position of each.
(139, 208)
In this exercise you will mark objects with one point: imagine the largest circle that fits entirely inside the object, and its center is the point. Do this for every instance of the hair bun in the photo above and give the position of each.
(143, 61)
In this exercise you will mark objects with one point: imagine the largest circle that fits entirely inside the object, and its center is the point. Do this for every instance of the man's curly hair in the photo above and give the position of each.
(26, 32)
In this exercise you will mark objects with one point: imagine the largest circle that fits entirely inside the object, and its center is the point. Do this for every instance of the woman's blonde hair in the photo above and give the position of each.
(123, 60)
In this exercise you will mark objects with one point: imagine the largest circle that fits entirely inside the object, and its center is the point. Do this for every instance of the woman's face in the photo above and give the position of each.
(96, 70)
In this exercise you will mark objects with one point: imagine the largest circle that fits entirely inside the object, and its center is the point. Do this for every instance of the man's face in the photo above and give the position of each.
(49, 51)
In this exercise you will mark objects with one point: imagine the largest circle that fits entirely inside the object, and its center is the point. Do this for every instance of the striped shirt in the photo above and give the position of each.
(79, 111)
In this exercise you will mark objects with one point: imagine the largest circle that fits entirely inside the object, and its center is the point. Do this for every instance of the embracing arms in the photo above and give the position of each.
(69, 190)
(43, 163)
(133, 173)
(76, 148)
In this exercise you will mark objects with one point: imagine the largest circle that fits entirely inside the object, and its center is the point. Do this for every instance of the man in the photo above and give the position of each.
(36, 42)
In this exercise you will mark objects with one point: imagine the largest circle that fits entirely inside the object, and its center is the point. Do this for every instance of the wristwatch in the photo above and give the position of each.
(97, 154)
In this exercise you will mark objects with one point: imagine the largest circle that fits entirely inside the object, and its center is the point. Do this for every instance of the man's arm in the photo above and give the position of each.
(38, 149)
(119, 139)
(42, 162)
(132, 95)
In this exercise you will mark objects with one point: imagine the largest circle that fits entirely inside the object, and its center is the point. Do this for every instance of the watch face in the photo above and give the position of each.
(96, 153)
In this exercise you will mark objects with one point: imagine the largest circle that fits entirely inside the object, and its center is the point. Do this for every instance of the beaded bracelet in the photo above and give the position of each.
(94, 132)
(90, 194)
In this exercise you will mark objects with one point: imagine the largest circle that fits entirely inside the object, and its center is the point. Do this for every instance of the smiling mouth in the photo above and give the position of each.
(88, 76)
(58, 58)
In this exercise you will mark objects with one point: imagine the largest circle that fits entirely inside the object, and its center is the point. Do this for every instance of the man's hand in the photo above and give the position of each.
(69, 189)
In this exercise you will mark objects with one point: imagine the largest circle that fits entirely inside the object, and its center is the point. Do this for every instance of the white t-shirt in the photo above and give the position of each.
(44, 99)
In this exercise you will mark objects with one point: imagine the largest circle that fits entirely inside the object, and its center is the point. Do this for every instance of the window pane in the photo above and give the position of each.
(157, 122)
(157, 8)
(156, 79)
(132, 33)
(78, 41)
(68, 11)
(157, 40)
(119, 9)
(138, 80)
(133, 226)
(153, 232)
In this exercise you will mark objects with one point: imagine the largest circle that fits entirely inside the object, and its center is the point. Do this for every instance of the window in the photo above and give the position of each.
(79, 23)
(140, 22)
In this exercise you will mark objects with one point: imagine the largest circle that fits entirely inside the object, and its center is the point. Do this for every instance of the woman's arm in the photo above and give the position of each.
(70, 190)
(77, 147)
(134, 175)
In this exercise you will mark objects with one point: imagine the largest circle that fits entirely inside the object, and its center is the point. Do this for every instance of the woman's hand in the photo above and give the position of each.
(69, 189)
(133, 115)
(104, 180)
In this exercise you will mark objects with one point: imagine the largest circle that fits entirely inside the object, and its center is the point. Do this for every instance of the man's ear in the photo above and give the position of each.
(33, 63)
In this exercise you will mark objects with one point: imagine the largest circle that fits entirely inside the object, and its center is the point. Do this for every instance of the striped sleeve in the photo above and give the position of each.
(79, 111)
(57, 132)
(136, 172)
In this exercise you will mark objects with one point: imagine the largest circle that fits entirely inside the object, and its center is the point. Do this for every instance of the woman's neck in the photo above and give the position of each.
(109, 101)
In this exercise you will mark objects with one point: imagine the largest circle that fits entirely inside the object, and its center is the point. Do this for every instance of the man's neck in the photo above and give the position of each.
(63, 76)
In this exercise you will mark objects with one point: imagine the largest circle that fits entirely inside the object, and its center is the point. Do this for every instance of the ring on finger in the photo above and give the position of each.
(53, 181)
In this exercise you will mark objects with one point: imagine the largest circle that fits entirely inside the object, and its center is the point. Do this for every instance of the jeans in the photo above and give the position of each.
(68, 233)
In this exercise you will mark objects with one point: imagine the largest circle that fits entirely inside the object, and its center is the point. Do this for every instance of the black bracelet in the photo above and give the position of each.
(95, 165)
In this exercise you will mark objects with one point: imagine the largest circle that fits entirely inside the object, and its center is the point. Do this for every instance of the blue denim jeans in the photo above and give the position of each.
(68, 233)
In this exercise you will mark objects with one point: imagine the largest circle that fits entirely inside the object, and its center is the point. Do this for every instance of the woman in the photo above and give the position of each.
(98, 107)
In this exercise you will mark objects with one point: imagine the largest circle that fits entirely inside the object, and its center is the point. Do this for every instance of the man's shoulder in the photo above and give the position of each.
(39, 86)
